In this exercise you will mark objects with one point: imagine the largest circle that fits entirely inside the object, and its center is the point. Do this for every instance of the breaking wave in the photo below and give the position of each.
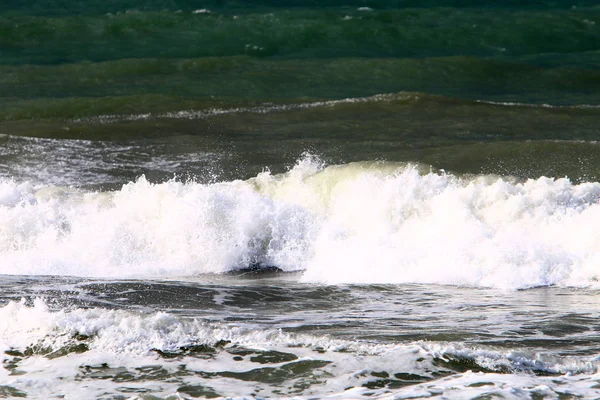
(368, 222)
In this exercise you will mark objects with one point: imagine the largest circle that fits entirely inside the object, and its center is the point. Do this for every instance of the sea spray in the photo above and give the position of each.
(370, 222)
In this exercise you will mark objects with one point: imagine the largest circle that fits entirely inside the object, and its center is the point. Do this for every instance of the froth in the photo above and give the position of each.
(434, 228)
(354, 223)
(121, 332)
(122, 338)
(53, 351)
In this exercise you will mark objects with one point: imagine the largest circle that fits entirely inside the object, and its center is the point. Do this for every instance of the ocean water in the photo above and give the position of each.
(358, 199)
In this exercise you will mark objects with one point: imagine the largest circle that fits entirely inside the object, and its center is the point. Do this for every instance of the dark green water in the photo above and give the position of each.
(116, 71)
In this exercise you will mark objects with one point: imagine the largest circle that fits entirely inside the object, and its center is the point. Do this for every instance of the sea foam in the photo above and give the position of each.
(123, 333)
(54, 350)
(370, 222)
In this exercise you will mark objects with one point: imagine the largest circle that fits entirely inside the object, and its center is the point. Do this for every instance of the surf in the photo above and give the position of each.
(364, 222)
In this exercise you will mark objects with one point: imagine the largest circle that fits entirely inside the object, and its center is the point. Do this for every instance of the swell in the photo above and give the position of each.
(299, 33)
(242, 79)
(104, 6)
(420, 119)
(100, 143)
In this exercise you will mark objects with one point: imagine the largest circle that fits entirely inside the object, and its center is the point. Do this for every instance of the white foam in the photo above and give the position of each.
(472, 385)
(355, 223)
(123, 339)
(12, 193)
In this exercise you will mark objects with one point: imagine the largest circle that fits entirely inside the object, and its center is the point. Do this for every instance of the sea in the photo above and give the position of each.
(300, 199)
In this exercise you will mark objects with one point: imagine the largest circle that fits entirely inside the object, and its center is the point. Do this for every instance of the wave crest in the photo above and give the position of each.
(355, 223)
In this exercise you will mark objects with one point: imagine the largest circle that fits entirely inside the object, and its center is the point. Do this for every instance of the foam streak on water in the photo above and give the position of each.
(120, 351)
(361, 222)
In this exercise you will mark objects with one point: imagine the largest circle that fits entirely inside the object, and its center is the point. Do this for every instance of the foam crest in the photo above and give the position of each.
(149, 229)
(12, 193)
(120, 332)
(512, 360)
(52, 351)
(370, 222)
(115, 331)
(439, 229)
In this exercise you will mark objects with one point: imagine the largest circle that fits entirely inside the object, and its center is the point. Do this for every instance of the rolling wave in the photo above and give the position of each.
(369, 222)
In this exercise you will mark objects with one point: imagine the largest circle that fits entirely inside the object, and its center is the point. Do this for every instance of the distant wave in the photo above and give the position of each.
(118, 32)
(265, 108)
(262, 109)
(517, 104)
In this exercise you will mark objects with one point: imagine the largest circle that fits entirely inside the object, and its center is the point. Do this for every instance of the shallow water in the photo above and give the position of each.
(270, 335)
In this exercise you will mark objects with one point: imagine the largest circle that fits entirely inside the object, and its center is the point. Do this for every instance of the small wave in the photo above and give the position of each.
(543, 105)
(121, 346)
(266, 108)
(35, 326)
(262, 109)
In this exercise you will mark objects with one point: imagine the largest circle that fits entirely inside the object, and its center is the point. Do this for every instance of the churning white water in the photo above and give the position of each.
(118, 350)
(369, 222)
